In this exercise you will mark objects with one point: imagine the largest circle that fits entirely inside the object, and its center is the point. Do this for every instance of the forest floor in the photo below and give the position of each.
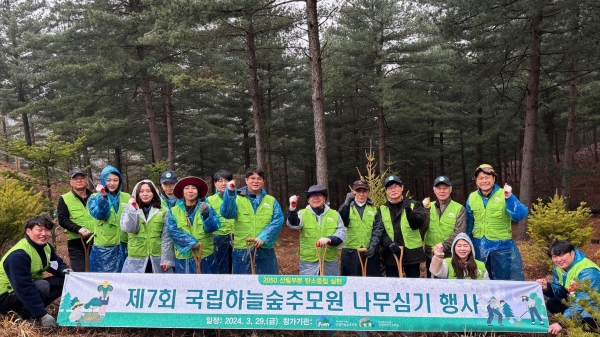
(288, 265)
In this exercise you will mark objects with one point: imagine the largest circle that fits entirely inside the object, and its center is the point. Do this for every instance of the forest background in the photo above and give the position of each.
(434, 87)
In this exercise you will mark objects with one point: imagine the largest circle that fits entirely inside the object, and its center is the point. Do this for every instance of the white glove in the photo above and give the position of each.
(84, 232)
(507, 190)
(100, 189)
(165, 264)
(426, 202)
(231, 185)
(323, 242)
(132, 202)
(48, 321)
(293, 202)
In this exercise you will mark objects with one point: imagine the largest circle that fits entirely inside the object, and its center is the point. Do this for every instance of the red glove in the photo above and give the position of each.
(132, 202)
(231, 185)
(100, 189)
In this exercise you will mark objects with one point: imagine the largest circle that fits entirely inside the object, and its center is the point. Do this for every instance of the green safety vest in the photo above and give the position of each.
(565, 280)
(440, 228)
(108, 233)
(411, 237)
(452, 275)
(358, 233)
(148, 240)
(78, 213)
(249, 224)
(37, 269)
(312, 231)
(215, 201)
(195, 229)
(492, 221)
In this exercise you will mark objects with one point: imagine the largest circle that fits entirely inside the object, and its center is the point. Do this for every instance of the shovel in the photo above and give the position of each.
(363, 266)
(86, 253)
(197, 257)
(321, 252)
(399, 261)
(251, 254)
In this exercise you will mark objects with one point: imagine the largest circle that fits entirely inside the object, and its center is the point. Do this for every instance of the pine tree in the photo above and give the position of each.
(17, 204)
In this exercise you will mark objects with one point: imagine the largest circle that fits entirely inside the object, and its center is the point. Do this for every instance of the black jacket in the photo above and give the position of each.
(416, 219)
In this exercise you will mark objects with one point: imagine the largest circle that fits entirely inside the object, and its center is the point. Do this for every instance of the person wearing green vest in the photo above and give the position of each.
(108, 253)
(167, 183)
(364, 229)
(257, 216)
(462, 260)
(223, 236)
(23, 287)
(75, 218)
(402, 220)
(490, 212)
(191, 225)
(445, 218)
(150, 248)
(571, 268)
(320, 227)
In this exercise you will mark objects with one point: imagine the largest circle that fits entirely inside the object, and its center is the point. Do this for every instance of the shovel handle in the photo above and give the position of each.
(363, 265)
(251, 254)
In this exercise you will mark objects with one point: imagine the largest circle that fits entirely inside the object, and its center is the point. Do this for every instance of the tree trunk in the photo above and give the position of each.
(150, 115)
(268, 150)
(479, 146)
(442, 166)
(464, 170)
(317, 92)
(118, 162)
(246, 144)
(5, 135)
(529, 140)
(568, 151)
(595, 140)
(169, 122)
(381, 143)
(286, 183)
(256, 96)
(498, 159)
(26, 129)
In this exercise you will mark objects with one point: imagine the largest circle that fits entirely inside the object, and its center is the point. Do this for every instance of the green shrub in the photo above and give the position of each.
(574, 325)
(17, 204)
(550, 222)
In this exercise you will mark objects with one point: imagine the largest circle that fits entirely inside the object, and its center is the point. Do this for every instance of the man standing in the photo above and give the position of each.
(23, 288)
(222, 237)
(402, 220)
(74, 217)
(490, 213)
(446, 219)
(320, 227)
(570, 265)
(365, 228)
(167, 184)
(257, 216)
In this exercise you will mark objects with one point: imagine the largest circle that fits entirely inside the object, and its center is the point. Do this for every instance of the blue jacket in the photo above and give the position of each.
(184, 241)
(270, 233)
(514, 207)
(557, 292)
(98, 205)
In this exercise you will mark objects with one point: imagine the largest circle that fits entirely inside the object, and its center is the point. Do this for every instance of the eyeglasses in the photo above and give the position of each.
(79, 178)
(315, 195)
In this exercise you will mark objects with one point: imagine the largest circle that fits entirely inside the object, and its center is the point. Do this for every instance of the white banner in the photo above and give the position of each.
(289, 302)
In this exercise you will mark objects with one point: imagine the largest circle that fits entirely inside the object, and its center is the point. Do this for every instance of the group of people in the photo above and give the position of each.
(182, 230)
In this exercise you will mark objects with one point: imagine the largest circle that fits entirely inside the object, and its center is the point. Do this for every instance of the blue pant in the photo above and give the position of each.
(266, 261)
(188, 266)
(222, 253)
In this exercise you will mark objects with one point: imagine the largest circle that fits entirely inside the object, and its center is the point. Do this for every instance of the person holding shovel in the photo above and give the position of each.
(191, 224)
(321, 231)
(402, 220)
(223, 237)
(258, 221)
(75, 218)
(364, 229)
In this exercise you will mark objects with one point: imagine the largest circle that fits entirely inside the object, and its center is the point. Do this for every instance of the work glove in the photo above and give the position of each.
(67, 271)
(165, 265)
(100, 189)
(349, 198)
(48, 321)
(426, 202)
(370, 252)
(293, 202)
(439, 250)
(507, 190)
(204, 210)
(394, 248)
(132, 202)
(231, 185)
(322, 242)
(258, 243)
(84, 232)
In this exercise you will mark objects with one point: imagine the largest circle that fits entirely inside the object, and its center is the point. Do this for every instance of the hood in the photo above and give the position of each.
(578, 257)
(106, 171)
(465, 237)
(134, 192)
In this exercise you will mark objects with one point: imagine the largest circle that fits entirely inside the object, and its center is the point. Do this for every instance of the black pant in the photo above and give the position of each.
(351, 264)
(77, 254)
(49, 288)
(411, 270)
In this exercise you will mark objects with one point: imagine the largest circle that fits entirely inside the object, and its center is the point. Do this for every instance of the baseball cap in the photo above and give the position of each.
(168, 176)
(360, 184)
(442, 180)
(76, 171)
(316, 189)
(393, 179)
